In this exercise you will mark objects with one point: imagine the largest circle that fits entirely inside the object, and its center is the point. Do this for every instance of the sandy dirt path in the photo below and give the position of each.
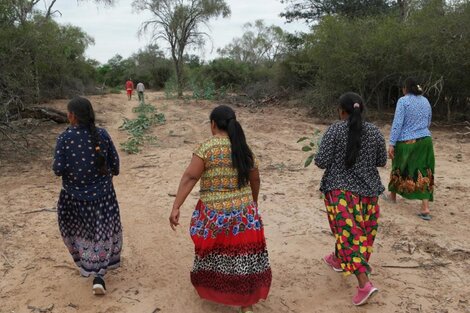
(419, 266)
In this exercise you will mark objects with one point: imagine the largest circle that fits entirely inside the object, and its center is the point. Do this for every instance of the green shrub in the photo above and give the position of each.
(146, 118)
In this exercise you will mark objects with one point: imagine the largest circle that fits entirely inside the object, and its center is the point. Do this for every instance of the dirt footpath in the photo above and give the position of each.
(418, 266)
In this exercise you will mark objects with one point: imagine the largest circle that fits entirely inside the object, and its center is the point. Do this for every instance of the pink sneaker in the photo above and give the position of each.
(333, 262)
(363, 294)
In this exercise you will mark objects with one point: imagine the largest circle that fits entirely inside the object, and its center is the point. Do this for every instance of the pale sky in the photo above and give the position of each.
(114, 29)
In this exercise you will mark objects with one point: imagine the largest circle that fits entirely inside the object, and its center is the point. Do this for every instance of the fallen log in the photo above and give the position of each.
(45, 113)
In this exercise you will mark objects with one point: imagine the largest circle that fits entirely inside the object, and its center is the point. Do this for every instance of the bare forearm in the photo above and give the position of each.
(186, 185)
(255, 190)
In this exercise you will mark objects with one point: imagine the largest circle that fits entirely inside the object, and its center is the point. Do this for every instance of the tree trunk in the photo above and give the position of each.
(449, 112)
(379, 101)
(179, 78)
(45, 113)
(401, 7)
(36, 81)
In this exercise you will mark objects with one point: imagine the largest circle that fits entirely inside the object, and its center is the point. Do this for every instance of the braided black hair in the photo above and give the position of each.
(83, 111)
(242, 157)
(352, 104)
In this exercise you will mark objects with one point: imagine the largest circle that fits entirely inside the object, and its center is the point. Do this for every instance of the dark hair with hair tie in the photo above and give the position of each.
(412, 86)
(83, 111)
(242, 157)
(352, 104)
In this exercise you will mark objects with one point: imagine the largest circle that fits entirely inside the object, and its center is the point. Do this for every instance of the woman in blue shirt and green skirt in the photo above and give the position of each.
(411, 149)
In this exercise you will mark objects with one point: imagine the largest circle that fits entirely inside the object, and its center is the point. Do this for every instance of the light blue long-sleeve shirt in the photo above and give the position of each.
(412, 119)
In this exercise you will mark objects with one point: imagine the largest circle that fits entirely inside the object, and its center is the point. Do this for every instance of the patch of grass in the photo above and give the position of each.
(144, 108)
(146, 118)
(115, 90)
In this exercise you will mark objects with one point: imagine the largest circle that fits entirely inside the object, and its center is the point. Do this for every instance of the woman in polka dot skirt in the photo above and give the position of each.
(88, 211)
(350, 152)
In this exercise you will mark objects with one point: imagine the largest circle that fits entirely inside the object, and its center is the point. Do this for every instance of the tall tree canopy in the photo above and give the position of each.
(258, 43)
(39, 59)
(312, 10)
(179, 23)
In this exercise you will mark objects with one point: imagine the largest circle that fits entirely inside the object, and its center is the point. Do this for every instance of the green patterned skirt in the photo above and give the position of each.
(412, 174)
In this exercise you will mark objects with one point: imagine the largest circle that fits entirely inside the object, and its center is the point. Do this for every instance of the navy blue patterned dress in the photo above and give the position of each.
(88, 211)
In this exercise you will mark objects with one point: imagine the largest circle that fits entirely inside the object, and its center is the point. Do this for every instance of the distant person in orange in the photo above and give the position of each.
(129, 88)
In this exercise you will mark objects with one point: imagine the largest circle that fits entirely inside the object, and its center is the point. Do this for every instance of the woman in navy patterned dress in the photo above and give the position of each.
(411, 149)
(88, 211)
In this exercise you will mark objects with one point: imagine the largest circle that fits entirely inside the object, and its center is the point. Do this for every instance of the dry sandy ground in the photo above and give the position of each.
(419, 266)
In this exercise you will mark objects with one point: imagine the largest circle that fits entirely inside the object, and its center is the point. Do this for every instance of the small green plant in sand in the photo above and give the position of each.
(313, 143)
(146, 118)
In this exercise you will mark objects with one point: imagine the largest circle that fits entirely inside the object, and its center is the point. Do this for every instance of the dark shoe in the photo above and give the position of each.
(99, 287)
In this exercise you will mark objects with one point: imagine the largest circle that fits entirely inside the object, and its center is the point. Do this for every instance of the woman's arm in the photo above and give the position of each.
(430, 115)
(324, 157)
(113, 156)
(190, 178)
(59, 164)
(397, 124)
(381, 152)
(255, 183)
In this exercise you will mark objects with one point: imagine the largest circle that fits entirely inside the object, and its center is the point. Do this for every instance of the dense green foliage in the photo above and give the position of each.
(373, 55)
(365, 46)
(148, 66)
(311, 10)
(39, 59)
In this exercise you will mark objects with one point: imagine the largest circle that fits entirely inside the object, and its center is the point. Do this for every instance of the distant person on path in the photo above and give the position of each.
(350, 152)
(129, 88)
(231, 264)
(88, 211)
(411, 149)
(140, 91)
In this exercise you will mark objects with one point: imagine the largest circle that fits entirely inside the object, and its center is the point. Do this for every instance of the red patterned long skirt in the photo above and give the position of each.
(231, 265)
(354, 222)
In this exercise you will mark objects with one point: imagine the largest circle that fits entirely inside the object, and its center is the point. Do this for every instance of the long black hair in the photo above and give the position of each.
(352, 104)
(83, 111)
(242, 157)
(412, 86)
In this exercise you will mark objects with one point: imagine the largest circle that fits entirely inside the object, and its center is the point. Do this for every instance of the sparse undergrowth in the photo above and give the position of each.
(146, 118)
(312, 146)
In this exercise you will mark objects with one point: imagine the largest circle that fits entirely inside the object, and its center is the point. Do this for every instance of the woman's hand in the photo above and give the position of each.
(174, 218)
(391, 152)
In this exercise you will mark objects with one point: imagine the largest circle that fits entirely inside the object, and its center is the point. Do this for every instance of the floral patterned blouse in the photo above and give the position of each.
(363, 178)
(219, 181)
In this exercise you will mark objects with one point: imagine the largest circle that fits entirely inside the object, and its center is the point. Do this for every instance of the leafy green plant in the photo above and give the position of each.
(171, 88)
(205, 90)
(313, 143)
(132, 145)
(146, 118)
(144, 108)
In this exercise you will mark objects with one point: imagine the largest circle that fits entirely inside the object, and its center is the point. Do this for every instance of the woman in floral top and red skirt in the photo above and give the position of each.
(231, 264)
(350, 152)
